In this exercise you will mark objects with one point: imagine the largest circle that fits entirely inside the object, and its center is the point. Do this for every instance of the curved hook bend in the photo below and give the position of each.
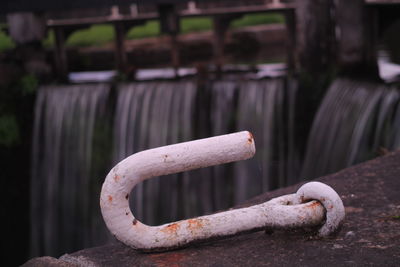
(284, 212)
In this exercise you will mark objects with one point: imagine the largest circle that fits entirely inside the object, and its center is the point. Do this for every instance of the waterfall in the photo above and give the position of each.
(148, 115)
(354, 120)
(260, 110)
(65, 213)
(265, 108)
(159, 113)
(78, 126)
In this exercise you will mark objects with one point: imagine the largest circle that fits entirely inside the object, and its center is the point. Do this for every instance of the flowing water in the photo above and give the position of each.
(150, 115)
(355, 121)
(64, 199)
(71, 124)
(160, 113)
(82, 130)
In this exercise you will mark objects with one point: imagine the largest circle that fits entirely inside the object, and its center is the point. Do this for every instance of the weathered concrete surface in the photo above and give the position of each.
(370, 235)
(47, 262)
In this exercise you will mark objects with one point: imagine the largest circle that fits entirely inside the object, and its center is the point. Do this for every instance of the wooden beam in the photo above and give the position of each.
(290, 22)
(221, 25)
(185, 13)
(120, 52)
(315, 36)
(357, 26)
(170, 24)
(61, 35)
(61, 61)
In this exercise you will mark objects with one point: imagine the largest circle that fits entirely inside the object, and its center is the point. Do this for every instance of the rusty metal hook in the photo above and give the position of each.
(287, 211)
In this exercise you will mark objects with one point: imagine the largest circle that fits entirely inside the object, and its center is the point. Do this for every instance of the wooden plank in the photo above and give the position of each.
(185, 13)
(100, 20)
(220, 27)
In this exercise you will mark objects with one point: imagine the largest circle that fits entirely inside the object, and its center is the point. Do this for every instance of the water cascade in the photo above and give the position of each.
(354, 121)
(64, 187)
(148, 115)
(71, 121)
(155, 114)
(267, 109)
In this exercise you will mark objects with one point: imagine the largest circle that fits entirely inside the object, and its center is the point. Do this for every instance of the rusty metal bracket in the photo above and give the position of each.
(314, 203)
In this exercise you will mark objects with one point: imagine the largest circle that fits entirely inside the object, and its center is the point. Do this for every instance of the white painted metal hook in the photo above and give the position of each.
(288, 211)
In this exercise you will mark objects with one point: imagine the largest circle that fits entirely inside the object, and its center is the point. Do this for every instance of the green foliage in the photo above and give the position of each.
(9, 130)
(197, 24)
(12, 100)
(28, 84)
(258, 19)
(5, 42)
(50, 39)
(101, 34)
(95, 35)
(149, 29)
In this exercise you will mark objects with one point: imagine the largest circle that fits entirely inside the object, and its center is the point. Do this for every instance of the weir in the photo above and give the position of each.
(356, 121)
(69, 162)
(64, 215)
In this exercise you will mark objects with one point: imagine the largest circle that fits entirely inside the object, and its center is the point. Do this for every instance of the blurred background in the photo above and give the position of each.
(84, 84)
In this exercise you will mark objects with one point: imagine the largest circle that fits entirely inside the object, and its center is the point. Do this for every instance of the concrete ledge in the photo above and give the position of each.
(370, 234)
(47, 262)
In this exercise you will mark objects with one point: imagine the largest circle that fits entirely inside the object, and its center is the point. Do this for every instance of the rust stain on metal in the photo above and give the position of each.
(116, 178)
(110, 198)
(250, 139)
(314, 205)
(171, 228)
(134, 222)
(195, 224)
